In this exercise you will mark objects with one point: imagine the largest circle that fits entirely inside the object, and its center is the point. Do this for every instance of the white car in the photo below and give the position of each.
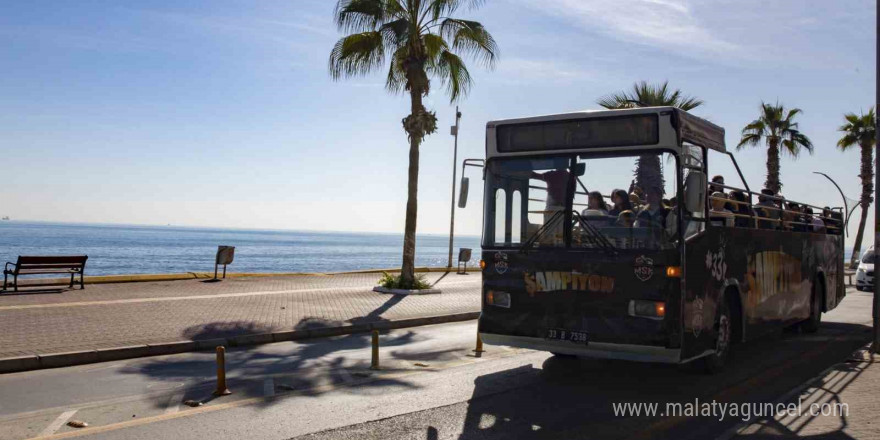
(865, 272)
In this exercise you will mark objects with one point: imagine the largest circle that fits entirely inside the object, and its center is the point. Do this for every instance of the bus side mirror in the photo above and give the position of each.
(695, 192)
(463, 192)
(580, 169)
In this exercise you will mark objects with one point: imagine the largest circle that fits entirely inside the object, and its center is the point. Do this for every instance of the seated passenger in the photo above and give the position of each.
(596, 204)
(718, 215)
(742, 208)
(830, 222)
(635, 201)
(653, 213)
(621, 202)
(791, 218)
(768, 211)
(625, 219)
(815, 224)
(717, 184)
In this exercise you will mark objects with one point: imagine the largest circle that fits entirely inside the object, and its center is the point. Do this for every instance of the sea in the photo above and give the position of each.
(132, 249)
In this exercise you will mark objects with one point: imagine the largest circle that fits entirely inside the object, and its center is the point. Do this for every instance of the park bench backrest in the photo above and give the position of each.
(60, 261)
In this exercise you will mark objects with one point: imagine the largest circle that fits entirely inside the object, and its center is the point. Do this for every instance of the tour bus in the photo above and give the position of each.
(565, 272)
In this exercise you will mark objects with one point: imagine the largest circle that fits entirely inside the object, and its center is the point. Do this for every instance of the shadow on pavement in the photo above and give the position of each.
(575, 398)
(28, 290)
(246, 367)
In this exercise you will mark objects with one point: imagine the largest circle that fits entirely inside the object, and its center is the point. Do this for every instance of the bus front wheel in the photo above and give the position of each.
(715, 362)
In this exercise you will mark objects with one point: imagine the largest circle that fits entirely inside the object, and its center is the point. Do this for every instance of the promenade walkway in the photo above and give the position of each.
(103, 316)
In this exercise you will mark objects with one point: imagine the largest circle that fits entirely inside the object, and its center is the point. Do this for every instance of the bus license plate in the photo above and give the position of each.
(567, 335)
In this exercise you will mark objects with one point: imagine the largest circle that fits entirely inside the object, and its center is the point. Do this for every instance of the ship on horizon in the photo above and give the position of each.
(5, 218)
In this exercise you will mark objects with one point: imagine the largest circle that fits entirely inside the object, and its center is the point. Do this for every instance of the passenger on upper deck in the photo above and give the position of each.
(595, 202)
(653, 213)
(719, 215)
(816, 224)
(768, 211)
(742, 208)
(625, 219)
(831, 225)
(621, 202)
(717, 184)
(635, 201)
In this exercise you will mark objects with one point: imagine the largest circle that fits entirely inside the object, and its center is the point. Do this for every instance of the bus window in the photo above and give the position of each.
(516, 218)
(616, 221)
(692, 160)
(538, 190)
(500, 215)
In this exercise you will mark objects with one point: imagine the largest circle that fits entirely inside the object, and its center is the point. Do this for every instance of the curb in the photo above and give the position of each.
(55, 360)
(141, 278)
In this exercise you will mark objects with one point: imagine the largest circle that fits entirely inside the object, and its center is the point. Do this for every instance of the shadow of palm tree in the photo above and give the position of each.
(303, 369)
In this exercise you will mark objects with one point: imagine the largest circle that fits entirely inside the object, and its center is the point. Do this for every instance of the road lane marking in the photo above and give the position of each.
(269, 387)
(57, 423)
(174, 403)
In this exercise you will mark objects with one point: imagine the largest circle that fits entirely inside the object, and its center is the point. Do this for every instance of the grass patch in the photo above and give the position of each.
(389, 281)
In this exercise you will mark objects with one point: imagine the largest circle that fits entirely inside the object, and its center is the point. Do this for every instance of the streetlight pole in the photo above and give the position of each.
(876, 346)
(452, 202)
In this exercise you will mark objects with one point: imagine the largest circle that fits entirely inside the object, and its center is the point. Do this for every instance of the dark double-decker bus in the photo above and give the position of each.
(677, 272)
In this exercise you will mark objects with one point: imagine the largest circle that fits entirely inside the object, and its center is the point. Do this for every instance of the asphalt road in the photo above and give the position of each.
(430, 386)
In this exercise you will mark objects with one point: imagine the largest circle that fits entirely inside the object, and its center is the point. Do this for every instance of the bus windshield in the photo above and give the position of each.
(529, 197)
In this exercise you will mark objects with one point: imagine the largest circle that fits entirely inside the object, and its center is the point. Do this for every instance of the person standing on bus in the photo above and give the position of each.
(653, 213)
(557, 182)
(621, 202)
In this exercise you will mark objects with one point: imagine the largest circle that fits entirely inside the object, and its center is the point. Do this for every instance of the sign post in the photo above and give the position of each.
(454, 130)
(225, 255)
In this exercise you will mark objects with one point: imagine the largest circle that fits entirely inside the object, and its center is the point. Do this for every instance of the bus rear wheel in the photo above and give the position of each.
(811, 325)
(715, 362)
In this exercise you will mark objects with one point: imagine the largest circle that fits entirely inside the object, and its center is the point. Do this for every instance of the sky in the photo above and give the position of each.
(221, 113)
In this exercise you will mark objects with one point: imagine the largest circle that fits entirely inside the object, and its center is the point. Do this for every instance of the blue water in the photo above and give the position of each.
(125, 249)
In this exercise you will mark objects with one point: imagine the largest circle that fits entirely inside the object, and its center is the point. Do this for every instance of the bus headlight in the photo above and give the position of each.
(647, 309)
(500, 299)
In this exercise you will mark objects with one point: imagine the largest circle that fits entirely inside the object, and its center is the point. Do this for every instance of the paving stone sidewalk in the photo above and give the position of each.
(116, 315)
(842, 404)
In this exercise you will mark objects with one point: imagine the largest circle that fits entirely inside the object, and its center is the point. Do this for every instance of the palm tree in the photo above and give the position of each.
(861, 130)
(648, 172)
(421, 40)
(776, 128)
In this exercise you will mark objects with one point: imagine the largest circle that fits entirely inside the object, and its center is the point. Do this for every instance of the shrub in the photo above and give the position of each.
(389, 281)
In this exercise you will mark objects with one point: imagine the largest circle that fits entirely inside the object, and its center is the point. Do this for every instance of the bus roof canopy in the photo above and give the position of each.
(601, 130)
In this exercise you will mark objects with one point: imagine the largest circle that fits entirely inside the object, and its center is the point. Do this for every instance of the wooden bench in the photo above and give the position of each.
(32, 265)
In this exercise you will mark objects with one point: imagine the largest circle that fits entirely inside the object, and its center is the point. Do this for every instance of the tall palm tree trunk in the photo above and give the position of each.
(649, 173)
(407, 270)
(867, 175)
(773, 182)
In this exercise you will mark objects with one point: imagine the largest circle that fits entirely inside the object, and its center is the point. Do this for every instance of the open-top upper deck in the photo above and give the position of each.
(601, 130)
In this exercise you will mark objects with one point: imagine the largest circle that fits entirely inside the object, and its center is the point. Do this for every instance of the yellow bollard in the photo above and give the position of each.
(374, 364)
(479, 350)
(221, 373)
